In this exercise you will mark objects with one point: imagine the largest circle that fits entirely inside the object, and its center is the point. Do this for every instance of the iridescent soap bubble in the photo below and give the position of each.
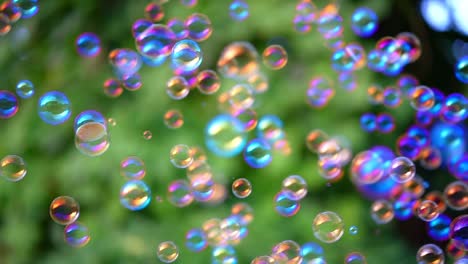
(382, 212)
(64, 210)
(270, 127)
(139, 26)
(430, 254)
(155, 42)
(367, 167)
(392, 97)
(203, 189)
(364, 22)
(454, 108)
(244, 211)
(275, 57)
(385, 123)
(422, 98)
(8, 104)
(132, 82)
(355, 258)
(353, 230)
(186, 55)
(241, 96)
(257, 153)
(208, 82)
(173, 119)
(315, 138)
(179, 193)
(287, 251)
(330, 25)
(154, 12)
(177, 87)
(125, 61)
(225, 136)
(113, 88)
(92, 139)
(402, 169)
(439, 228)
(456, 195)
(427, 210)
(410, 44)
(239, 10)
(199, 170)
(178, 27)
(238, 60)
(212, 230)
(54, 107)
(349, 58)
(406, 83)
(438, 199)
(13, 168)
(241, 188)
(29, 8)
(133, 168)
(88, 45)
(286, 206)
(368, 122)
(328, 227)
(189, 3)
(195, 240)
(181, 156)
(307, 10)
(459, 169)
(263, 260)
(88, 116)
(461, 69)
(199, 26)
(375, 94)
(76, 234)
(456, 253)
(247, 116)
(135, 195)
(347, 81)
(25, 89)
(295, 187)
(301, 24)
(319, 92)
(312, 253)
(458, 229)
(167, 252)
(223, 254)
(11, 10)
(230, 228)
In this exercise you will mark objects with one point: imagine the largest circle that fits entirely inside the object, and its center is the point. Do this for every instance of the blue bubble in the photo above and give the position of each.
(88, 45)
(330, 25)
(403, 210)
(225, 136)
(419, 133)
(347, 81)
(364, 22)
(368, 122)
(29, 8)
(223, 254)
(132, 82)
(257, 153)
(461, 69)
(54, 108)
(239, 10)
(125, 61)
(423, 118)
(450, 139)
(351, 57)
(186, 55)
(270, 127)
(178, 27)
(25, 89)
(439, 228)
(8, 104)
(459, 168)
(312, 253)
(385, 123)
(195, 240)
(139, 26)
(135, 195)
(87, 117)
(455, 108)
(353, 230)
(376, 60)
(156, 41)
(286, 206)
(439, 100)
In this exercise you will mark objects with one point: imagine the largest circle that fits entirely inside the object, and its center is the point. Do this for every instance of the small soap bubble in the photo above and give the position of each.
(186, 55)
(355, 258)
(301, 24)
(461, 69)
(294, 187)
(238, 60)
(139, 26)
(257, 153)
(244, 211)
(247, 116)
(112, 121)
(347, 81)
(54, 108)
(195, 240)
(179, 193)
(382, 212)
(29, 8)
(154, 12)
(181, 156)
(364, 22)
(430, 254)
(241, 96)
(349, 58)
(199, 170)
(307, 10)
(135, 195)
(88, 45)
(173, 119)
(315, 138)
(92, 139)
(76, 234)
(241, 188)
(402, 169)
(8, 104)
(198, 153)
(287, 251)
(392, 97)
(13, 168)
(239, 10)
(458, 229)
(454, 109)
(167, 252)
(25, 89)
(275, 57)
(208, 82)
(147, 134)
(199, 27)
(328, 227)
(375, 94)
(113, 88)
(456, 253)
(422, 98)
(64, 210)
(11, 10)
(177, 87)
(132, 168)
(230, 228)
(439, 228)
(456, 195)
(319, 92)
(285, 206)
(367, 167)
(410, 44)
(132, 82)
(385, 123)
(225, 136)
(368, 122)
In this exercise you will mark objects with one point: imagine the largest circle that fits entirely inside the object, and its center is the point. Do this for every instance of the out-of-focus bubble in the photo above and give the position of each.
(454, 108)
(177, 87)
(286, 206)
(241, 96)
(406, 83)
(366, 168)
(147, 135)
(186, 55)
(241, 188)
(179, 193)
(307, 10)
(135, 195)
(328, 227)
(11, 10)
(199, 27)
(257, 153)
(330, 24)
(155, 42)
(139, 26)
(239, 10)
(167, 252)
(315, 138)
(25, 89)
(244, 211)
(402, 169)
(427, 210)
(132, 82)
(154, 12)
(230, 228)
(458, 229)
(329, 169)
(225, 136)
(375, 94)
(301, 24)
(199, 170)
(132, 168)
(376, 60)
(355, 258)
(92, 139)
(263, 260)
(112, 121)
(189, 3)
(353, 230)
(368, 122)
(13, 168)
(351, 57)
(208, 82)
(198, 153)
(347, 81)
(312, 253)
(8, 104)
(275, 57)
(287, 251)
(178, 27)
(64, 210)
(439, 228)
(460, 168)
(203, 189)
(113, 88)
(411, 46)
(364, 22)
(422, 98)
(238, 60)
(5, 24)
(430, 254)
(247, 116)
(195, 240)
(320, 92)
(173, 119)
(438, 199)
(456, 253)
(223, 254)
(382, 212)
(181, 156)
(392, 97)
(76, 234)
(461, 69)
(456, 195)
(88, 45)
(270, 127)
(29, 8)
(54, 108)
(294, 187)
(125, 61)
(408, 147)
(385, 123)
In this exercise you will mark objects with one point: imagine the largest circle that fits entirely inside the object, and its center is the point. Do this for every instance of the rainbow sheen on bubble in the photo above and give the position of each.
(9, 104)
(64, 210)
(275, 57)
(54, 108)
(225, 136)
(239, 10)
(135, 195)
(76, 234)
(167, 252)
(186, 55)
(25, 89)
(257, 153)
(328, 227)
(364, 22)
(13, 168)
(88, 45)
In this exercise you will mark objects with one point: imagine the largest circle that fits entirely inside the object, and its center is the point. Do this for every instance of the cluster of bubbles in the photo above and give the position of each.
(11, 11)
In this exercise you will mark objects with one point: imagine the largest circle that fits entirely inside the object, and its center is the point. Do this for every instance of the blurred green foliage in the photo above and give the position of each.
(47, 57)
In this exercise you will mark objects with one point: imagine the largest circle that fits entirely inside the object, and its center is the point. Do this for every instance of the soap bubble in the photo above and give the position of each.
(366, 168)
(156, 42)
(385, 123)
(13, 168)
(328, 227)
(11, 10)
(275, 57)
(312, 253)
(54, 108)
(186, 55)
(422, 98)
(314, 139)
(461, 69)
(454, 108)
(5, 24)
(225, 136)
(92, 139)
(139, 26)
(167, 252)
(238, 60)
(132, 82)
(88, 45)
(456, 195)
(177, 87)
(244, 211)
(439, 228)
(195, 240)
(135, 195)
(154, 12)
(402, 169)
(199, 27)
(181, 156)
(364, 22)
(427, 210)
(368, 122)
(113, 88)
(147, 135)
(294, 187)
(179, 193)
(125, 61)
(230, 228)
(355, 258)
(382, 211)
(430, 254)
(173, 119)
(287, 251)
(76, 234)
(257, 153)
(223, 254)
(351, 57)
(353, 230)
(410, 45)
(239, 10)
(286, 206)
(25, 89)
(208, 82)
(330, 25)
(458, 229)
(64, 210)
(263, 260)
(8, 104)
(241, 188)
(392, 97)
(132, 168)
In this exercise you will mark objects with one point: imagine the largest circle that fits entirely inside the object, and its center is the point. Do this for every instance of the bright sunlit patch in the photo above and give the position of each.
(436, 13)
